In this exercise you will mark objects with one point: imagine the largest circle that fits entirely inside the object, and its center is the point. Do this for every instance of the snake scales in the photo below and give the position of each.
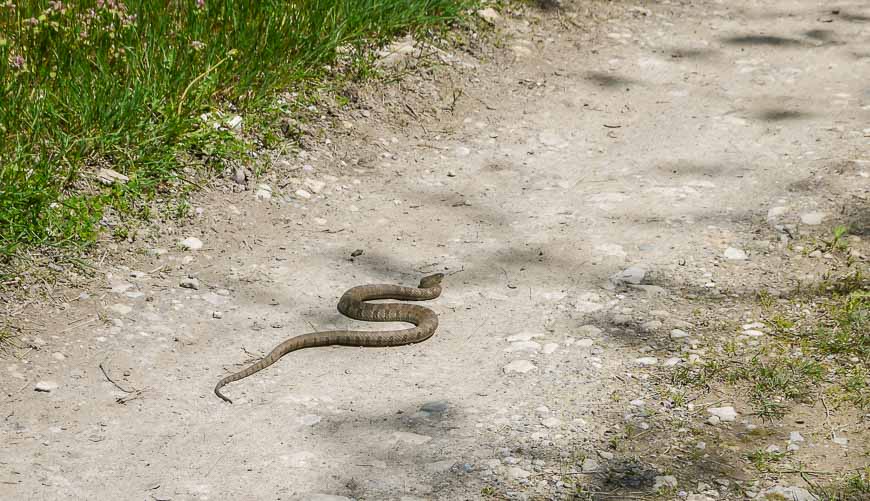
(353, 304)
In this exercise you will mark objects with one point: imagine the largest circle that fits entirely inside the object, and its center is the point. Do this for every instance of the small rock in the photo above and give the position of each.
(606, 455)
(735, 254)
(795, 436)
(58, 356)
(303, 194)
(713, 420)
(520, 366)
(551, 422)
(45, 386)
(679, 334)
(550, 348)
(645, 361)
(234, 122)
(217, 314)
(263, 192)
(813, 218)
(309, 419)
(191, 243)
(489, 15)
(584, 343)
(772, 449)
(815, 254)
(314, 185)
(632, 275)
(665, 481)
(589, 465)
(239, 176)
(670, 362)
(652, 325)
(752, 333)
(841, 440)
(523, 346)
(724, 413)
(189, 283)
(790, 493)
(109, 177)
(517, 473)
(435, 407)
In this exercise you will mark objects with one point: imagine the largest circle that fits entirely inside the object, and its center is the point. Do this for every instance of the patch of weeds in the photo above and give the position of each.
(853, 487)
(764, 461)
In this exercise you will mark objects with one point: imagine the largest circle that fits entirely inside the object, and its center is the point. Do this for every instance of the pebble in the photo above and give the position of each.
(314, 185)
(303, 194)
(589, 465)
(550, 348)
(489, 15)
(523, 336)
(434, 407)
(735, 254)
(790, 493)
(841, 440)
(191, 243)
(670, 362)
(724, 413)
(551, 422)
(646, 361)
(516, 472)
(189, 283)
(263, 192)
(813, 218)
(520, 366)
(652, 325)
(45, 386)
(310, 420)
(58, 356)
(795, 436)
(753, 325)
(752, 333)
(584, 343)
(631, 275)
(679, 334)
(665, 481)
(217, 314)
(523, 346)
(815, 254)
(637, 403)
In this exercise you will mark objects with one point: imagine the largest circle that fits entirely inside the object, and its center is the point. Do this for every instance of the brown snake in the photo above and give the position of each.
(353, 304)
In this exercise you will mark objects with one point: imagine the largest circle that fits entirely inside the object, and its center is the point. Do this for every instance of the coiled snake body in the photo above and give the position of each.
(353, 304)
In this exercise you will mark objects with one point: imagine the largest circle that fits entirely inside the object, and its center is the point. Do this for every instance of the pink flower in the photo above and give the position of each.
(200, 4)
(16, 61)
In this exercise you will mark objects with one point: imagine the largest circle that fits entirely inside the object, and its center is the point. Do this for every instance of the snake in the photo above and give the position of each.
(354, 304)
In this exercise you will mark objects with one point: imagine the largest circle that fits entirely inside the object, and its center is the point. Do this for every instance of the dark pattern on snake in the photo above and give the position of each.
(353, 304)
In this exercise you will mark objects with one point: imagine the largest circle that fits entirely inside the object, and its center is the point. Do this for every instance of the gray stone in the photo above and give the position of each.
(646, 361)
(735, 254)
(191, 243)
(679, 334)
(434, 407)
(45, 386)
(790, 493)
(724, 413)
(813, 218)
(189, 283)
(665, 481)
(632, 275)
(489, 15)
(520, 366)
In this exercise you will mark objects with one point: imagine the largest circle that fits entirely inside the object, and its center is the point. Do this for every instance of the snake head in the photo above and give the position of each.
(431, 280)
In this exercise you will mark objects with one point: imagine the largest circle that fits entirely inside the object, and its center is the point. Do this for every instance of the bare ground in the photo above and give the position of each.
(655, 137)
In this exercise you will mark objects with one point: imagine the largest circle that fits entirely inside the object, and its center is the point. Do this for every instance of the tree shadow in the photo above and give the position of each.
(762, 40)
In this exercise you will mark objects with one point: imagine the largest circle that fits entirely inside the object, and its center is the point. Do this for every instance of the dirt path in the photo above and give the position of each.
(669, 135)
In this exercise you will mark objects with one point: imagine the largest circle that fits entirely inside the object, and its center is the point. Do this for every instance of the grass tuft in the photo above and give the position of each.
(133, 86)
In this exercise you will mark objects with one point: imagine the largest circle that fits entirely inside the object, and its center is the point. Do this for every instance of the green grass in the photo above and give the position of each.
(852, 487)
(820, 348)
(92, 84)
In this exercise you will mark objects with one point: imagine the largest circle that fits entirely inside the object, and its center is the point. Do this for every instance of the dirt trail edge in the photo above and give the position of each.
(679, 146)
